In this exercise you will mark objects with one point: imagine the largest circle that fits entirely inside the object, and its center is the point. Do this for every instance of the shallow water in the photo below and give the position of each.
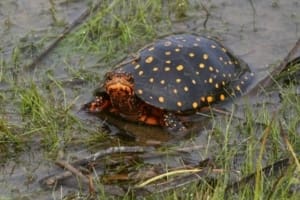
(262, 38)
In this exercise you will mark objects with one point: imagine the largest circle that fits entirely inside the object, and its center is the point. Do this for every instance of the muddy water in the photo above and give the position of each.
(262, 36)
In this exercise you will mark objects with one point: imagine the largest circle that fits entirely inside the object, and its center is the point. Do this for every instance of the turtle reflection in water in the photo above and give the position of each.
(175, 76)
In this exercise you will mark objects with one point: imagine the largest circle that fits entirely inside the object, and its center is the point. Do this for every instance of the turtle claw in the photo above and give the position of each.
(100, 103)
(173, 124)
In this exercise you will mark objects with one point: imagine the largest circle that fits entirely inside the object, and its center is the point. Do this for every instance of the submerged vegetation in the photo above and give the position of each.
(40, 109)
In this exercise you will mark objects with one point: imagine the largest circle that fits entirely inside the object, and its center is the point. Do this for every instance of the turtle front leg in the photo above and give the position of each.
(173, 124)
(100, 103)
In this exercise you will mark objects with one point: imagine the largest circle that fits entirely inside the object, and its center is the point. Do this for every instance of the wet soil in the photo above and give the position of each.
(261, 35)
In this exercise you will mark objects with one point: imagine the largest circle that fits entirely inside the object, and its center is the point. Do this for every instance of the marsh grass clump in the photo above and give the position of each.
(290, 112)
(117, 25)
(124, 20)
(266, 141)
(46, 118)
(10, 142)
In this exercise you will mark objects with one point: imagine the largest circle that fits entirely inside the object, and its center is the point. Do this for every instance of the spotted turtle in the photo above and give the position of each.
(172, 77)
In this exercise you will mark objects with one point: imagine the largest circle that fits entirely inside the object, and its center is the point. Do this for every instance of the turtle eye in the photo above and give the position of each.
(129, 78)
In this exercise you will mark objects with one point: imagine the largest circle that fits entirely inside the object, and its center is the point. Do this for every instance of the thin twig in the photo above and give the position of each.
(207, 15)
(167, 174)
(121, 149)
(169, 185)
(176, 172)
(73, 170)
(254, 15)
(53, 179)
(86, 179)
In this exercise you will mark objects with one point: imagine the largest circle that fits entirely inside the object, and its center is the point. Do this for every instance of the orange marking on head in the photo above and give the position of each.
(119, 82)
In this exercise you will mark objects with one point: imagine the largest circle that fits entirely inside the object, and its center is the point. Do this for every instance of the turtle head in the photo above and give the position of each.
(120, 87)
(119, 83)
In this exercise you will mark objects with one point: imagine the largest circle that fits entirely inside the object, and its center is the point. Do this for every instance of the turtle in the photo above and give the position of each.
(175, 76)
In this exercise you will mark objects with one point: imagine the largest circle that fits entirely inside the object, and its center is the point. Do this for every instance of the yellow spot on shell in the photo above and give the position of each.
(168, 61)
(151, 80)
(149, 59)
(155, 69)
(167, 53)
(162, 82)
(209, 99)
(177, 49)
(178, 80)
(201, 65)
(205, 56)
(179, 67)
(194, 81)
(195, 105)
(213, 46)
(217, 85)
(192, 55)
(137, 66)
(222, 97)
(175, 91)
(211, 68)
(185, 88)
(179, 103)
(167, 69)
(238, 88)
(210, 80)
(202, 99)
(161, 99)
(224, 50)
(139, 91)
(141, 73)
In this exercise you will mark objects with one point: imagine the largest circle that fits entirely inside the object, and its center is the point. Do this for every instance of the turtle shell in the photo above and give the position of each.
(185, 72)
